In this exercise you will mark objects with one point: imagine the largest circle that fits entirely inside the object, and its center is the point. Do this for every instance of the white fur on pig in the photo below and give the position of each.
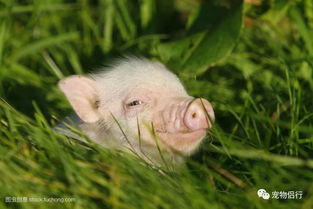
(100, 98)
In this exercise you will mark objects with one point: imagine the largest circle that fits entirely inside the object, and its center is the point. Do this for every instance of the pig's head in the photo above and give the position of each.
(139, 103)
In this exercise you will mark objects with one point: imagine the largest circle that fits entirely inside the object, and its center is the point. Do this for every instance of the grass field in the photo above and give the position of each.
(253, 61)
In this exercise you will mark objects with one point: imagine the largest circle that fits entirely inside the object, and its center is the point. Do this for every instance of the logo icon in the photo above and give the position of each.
(262, 193)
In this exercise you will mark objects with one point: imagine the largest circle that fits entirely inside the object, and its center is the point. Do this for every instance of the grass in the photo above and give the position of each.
(261, 93)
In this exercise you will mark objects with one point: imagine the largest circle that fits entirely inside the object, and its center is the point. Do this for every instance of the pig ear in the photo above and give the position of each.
(81, 92)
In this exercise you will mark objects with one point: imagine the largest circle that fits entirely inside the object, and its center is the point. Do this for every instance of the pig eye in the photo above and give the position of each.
(134, 103)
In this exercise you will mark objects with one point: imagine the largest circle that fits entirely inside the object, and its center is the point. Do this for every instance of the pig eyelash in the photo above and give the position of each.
(96, 105)
(134, 103)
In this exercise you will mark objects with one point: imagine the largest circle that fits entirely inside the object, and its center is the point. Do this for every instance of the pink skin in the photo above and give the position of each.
(179, 122)
(185, 123)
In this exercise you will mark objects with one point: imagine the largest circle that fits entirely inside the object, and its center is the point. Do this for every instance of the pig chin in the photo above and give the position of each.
(185, 142)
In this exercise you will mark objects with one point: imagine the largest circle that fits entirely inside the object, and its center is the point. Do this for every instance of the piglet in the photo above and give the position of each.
(139, 105)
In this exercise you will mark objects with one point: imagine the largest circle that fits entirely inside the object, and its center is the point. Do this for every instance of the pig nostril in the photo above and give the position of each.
(199, 115)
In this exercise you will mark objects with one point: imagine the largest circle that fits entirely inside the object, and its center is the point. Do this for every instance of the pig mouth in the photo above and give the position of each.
(180, 136)
(181, 141)
(184, 134)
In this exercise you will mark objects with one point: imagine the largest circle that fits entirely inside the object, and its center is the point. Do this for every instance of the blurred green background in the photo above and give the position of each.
(253, 60)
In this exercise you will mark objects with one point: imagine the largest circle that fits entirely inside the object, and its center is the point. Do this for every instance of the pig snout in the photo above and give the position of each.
(199, 115)
(185, 123)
